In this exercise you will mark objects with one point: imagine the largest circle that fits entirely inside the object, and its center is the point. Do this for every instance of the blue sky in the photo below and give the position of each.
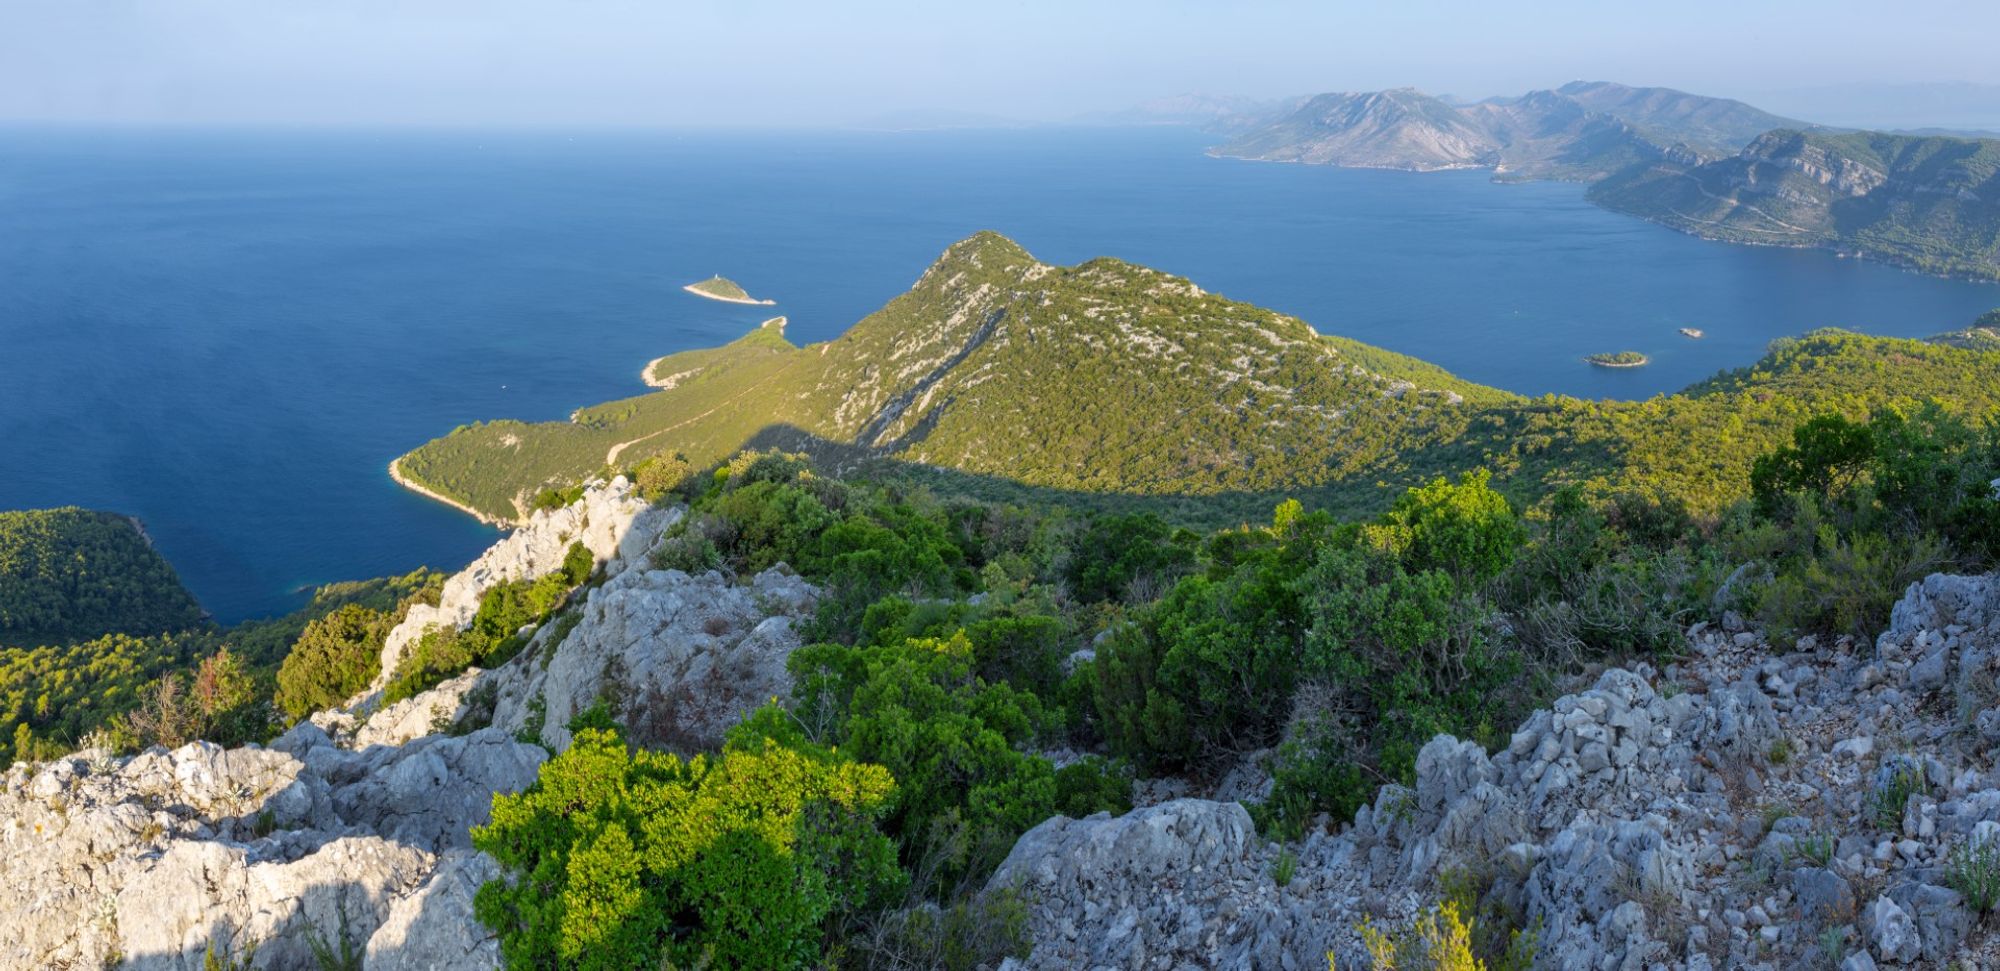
(770, 63)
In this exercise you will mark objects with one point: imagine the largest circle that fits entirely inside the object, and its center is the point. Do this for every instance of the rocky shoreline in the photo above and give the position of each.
(695, 288)
(396, 475)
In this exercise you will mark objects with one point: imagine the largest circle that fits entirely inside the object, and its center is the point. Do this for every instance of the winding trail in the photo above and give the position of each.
(611, 457)
(1735, 203)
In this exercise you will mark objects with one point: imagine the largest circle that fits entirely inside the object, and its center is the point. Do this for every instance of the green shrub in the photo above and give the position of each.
(1011, 643)
(1828, 453)
(977, 932)
(1413, 654)
(861, 542)
(556, 497)
(1210, 668)
(1284, 867)
(658, 476)
(1890, 798)
(1464, 528)
(965, 790)
(218, 702)
(1119, 555)
(1093, 784)
(1843, 582)
(494, 635)
(1974, 871)
(771, 523)
(337, 656)
(1324, 764)
(625, 859)
(1848, 514)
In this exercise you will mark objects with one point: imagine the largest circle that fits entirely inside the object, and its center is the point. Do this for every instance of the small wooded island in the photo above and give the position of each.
(724, 289)
(1620, 359)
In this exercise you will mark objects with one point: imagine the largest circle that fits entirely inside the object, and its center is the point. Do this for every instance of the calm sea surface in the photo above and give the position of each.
(231, 334)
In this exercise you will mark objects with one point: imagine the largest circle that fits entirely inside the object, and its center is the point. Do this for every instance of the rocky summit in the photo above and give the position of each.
(1717, 814)
(1722, 812)
(351, 831)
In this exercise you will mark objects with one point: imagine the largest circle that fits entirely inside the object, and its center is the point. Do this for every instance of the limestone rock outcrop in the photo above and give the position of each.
(166, 857)
(681, 658)
(1732, 811)
(610, 519)
(352, 829)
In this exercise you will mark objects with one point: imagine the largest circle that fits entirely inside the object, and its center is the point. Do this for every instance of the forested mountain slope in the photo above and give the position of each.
(1101, 377)
(1109, 383)
(75, 574)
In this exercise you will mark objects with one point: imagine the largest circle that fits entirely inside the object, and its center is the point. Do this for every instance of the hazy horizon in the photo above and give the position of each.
(752, 64)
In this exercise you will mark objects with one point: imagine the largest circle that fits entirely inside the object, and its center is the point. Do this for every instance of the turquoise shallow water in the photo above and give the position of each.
(230, 334)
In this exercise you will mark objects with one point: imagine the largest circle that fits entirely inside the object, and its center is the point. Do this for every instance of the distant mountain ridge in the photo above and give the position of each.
(1930, 203)
(1219, 114)
(1582, 131)
(1712, 167)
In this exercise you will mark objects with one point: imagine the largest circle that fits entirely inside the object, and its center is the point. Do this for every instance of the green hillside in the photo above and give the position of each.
(1101, 377)
(1931, 203)
(73, 574)
(1111, 386)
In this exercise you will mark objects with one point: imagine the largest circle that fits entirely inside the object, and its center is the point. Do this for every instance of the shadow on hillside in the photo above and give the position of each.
(1363, 493)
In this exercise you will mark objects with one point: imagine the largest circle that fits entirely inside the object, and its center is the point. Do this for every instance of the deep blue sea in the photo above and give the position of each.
(230, 334)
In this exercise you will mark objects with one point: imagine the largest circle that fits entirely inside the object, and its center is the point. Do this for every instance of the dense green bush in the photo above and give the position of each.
(621, 859)
(1113, 553)
(1093, 784)
(1209, 669)
(954, 742)
(335, 657)
(657, 476)
(862, 542)
(1021, 644)
(1849, 513)
(556, 497)
(1406, 654)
